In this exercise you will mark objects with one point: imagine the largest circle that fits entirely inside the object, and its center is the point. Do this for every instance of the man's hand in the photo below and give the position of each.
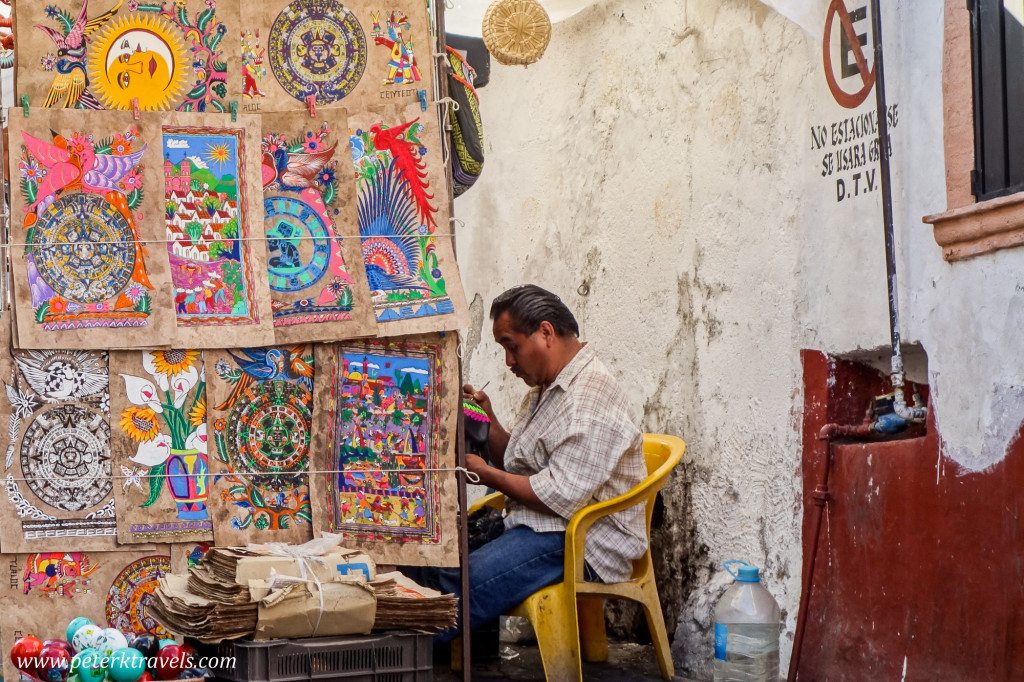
(497, 436)
(480, 398)
(480, 467)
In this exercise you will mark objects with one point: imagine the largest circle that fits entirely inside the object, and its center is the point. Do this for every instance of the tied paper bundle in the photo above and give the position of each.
(402, 604)
(270, 591)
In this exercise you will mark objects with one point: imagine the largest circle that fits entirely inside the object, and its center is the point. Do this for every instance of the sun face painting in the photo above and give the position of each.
(206, 225)
(138, 57)
(107, 54)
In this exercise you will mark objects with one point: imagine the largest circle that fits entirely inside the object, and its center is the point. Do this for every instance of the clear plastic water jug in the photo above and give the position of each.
(747, 620)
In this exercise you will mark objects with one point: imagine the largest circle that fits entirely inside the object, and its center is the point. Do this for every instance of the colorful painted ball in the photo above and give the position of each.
(146, 677)
(170, 661)
(74, 625)
(109, 641)
(25, 653)
(54, 664)
(147, 643)
(85, 637)
(126, 665)
(166, 642)
(61, 644)
(88, 665)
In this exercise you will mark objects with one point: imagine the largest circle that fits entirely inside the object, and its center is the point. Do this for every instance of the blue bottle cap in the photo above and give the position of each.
(748, 574)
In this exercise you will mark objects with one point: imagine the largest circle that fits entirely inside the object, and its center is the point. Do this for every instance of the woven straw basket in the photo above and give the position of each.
(516, 31)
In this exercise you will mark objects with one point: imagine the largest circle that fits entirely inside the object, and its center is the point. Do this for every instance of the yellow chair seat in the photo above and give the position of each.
(569, 616)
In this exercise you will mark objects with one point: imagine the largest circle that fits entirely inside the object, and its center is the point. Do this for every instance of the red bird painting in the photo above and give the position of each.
(410, 165)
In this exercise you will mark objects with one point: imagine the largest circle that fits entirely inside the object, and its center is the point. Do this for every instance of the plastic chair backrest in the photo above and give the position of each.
(657, 454)
(661, 454)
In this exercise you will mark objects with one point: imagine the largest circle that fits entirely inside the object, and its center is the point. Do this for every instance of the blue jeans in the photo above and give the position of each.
(502, 574)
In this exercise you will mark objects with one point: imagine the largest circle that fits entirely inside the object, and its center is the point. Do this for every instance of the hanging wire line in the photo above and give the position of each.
(473, 477)
(264, 238)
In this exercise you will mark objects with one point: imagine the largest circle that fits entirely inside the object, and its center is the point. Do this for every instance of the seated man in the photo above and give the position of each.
(574, 442)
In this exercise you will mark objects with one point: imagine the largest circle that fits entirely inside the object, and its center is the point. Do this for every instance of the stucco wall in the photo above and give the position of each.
(649, 158)
(657, 169)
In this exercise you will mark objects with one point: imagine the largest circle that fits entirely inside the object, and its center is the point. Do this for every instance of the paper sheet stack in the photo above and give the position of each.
(405, 605)
(279, 591)
(183, 612)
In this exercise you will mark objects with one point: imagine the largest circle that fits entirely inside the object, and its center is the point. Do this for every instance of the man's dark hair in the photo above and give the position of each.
(528, 305)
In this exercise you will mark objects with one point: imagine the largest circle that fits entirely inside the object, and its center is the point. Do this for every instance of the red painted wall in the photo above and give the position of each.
(918, 560)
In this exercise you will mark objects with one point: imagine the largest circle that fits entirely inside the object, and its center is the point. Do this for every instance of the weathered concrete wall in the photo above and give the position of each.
(658, 169)
(645, 170)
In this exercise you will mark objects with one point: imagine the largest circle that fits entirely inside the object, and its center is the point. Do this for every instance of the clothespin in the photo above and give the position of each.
(311, 103)
(233, 107)
(24, 104)
(422, 95)
(135, 108)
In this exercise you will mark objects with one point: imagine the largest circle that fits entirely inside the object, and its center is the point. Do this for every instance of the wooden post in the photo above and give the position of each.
(441, 70)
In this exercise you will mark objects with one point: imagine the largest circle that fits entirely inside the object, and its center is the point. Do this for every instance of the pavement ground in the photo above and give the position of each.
(627, 662)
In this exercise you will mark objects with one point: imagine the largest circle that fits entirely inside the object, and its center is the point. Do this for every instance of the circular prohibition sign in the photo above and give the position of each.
(867, 76)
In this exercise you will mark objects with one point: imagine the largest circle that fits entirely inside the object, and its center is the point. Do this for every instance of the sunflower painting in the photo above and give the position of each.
(158, 403)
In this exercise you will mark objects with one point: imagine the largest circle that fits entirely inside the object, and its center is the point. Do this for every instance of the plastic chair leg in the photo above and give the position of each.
(456, 655)
(593, 638)
(656, 624)
(552, 611)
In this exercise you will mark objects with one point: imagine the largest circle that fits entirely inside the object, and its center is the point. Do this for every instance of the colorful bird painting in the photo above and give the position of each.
(68, 89)
(267, 364)
(410, 165)
(391, 246)
(294, 171)
(66, 169)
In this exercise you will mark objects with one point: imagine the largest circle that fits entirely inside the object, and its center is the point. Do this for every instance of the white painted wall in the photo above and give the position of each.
(660, 155)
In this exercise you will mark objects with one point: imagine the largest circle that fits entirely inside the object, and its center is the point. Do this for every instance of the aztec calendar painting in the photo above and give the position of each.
(101, 54)
(66, 459)
(57, 461)
(317, 48)
(131, 592)
(83, 255)
(269, 429)
(262, 426)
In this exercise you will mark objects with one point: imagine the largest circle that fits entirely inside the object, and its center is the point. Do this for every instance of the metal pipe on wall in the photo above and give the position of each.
(918, 412)
(900, 407)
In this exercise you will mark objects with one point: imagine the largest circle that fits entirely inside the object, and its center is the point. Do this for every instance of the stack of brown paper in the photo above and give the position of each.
(402, 604)
(269, 591)
(185, 613)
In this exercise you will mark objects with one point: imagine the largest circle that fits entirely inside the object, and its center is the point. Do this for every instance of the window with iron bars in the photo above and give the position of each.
(997, 47)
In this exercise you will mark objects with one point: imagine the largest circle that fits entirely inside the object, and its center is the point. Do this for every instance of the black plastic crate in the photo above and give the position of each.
(382, 657)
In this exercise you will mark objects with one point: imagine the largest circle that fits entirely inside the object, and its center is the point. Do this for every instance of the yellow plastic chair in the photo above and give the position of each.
(569, 616)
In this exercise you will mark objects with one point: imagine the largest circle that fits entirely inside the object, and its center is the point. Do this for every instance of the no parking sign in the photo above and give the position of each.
(849, 67)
